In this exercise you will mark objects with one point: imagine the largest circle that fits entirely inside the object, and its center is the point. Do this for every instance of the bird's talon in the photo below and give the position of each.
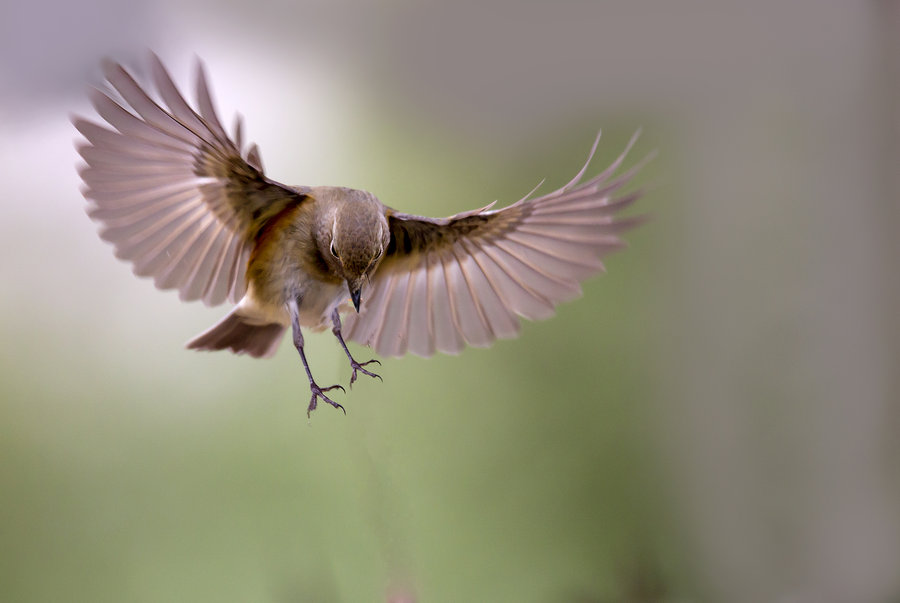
(358, 366)
(319, 392)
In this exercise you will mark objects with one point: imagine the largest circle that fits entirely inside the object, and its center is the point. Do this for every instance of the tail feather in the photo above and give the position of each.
(240, 335)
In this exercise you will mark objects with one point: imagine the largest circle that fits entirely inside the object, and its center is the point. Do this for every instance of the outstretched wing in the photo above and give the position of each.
(444, 283)
(174, 194)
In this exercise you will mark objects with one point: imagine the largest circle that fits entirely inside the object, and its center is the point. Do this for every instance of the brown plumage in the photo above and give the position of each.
(189, 206)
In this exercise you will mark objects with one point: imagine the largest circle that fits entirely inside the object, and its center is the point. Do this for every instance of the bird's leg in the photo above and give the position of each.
(356, 366)
(317, 392)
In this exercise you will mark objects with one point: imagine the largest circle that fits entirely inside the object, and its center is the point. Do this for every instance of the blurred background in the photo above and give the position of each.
(715, 420)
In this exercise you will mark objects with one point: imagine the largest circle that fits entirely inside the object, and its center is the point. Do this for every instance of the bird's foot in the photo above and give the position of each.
(319, 392)
(358, 366)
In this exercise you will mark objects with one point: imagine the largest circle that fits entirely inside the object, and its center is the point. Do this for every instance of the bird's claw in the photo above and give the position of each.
(319, 392)
(358, 366)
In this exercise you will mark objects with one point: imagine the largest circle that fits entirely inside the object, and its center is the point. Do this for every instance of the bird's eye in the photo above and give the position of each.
(333, 250)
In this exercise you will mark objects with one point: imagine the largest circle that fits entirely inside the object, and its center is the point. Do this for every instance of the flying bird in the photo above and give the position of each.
(190, 205)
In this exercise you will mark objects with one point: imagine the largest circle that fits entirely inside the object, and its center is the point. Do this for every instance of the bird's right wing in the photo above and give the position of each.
(447, 282)
(175, 195)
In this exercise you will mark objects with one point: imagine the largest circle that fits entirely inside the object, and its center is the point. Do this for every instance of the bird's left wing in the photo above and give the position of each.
(467, 279)
(175, 195)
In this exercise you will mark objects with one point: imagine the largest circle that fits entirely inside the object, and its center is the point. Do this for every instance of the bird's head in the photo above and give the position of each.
(359, 235)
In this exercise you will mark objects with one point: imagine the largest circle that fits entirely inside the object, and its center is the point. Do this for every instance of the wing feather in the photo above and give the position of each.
(130, 125)
(469, 316)
(124, 161)
(497, 319)
(178, 107)
(168, 238)
(221, 281)
(134, 209)
(467, 279)
(509, 285)
(373, 293)
(535, 279)
(393, 336)
(171, 190)
(390, 310)
(145, 106)
(111, 140)
(443, 319)
(180, 264)
(207, 110)
(421, 333)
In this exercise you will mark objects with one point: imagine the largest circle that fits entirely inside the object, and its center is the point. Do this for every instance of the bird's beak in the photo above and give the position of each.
(354, 295)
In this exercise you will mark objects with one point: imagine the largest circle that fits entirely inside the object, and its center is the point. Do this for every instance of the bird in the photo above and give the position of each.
(191, 206)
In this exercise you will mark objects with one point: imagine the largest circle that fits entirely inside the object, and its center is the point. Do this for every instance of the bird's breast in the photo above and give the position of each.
(318, 300)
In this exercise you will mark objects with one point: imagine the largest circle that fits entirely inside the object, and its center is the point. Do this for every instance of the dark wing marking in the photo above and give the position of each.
(467, 279)
(174, 194)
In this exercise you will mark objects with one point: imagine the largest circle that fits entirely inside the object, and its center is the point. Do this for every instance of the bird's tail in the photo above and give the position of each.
(241, 335)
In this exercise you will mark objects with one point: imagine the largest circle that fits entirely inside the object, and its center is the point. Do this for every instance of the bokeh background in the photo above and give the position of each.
(716, 420)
